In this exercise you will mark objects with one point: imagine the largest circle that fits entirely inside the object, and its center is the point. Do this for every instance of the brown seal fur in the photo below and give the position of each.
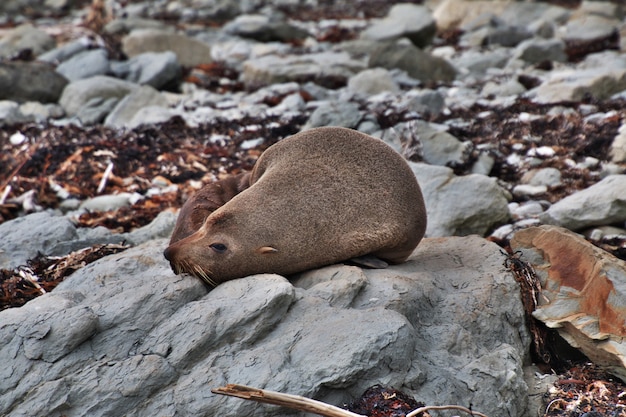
(319, 197)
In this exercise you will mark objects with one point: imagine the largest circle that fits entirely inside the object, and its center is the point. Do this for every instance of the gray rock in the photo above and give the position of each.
(571, 85)
(509, 87)
(144, 96)
(603, 203)
(618, 147)
(335, 113)
(590, 27)
(30, 81)
(92, 92)
(154, 69)
(525, 14)
(155, 114)
(157, 343)
(372, 81)
(544, 176)
(95, 110)
(476, 63)
(412, 21)
(424, 102)
(128, 24)
(190, 52)
(65, 52)
(438, 146)
(25, 37)
(38, 112)
(526, 210)
(160, 227)
(10, 113)
(526, 190)
(108, 202)
(24, 237)
(328, 69)
(507, 36)
(262, 28)
(534, 51)
(85, 64)
(417, 63)
(471, 204)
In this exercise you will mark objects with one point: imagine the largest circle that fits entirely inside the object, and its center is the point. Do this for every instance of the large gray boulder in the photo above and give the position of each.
(124, 335)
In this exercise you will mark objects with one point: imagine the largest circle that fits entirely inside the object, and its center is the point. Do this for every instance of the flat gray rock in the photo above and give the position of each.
(446, 325)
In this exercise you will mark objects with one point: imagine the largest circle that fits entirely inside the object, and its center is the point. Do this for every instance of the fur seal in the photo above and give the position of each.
(319, 197)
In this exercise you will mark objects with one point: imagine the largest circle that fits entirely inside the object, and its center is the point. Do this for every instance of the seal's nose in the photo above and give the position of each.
(168, 253)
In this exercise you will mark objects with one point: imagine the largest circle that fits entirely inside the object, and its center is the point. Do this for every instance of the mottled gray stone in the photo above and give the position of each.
(30, 81)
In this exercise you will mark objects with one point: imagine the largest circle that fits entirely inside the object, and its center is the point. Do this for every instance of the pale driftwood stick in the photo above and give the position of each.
(295, 402)
(105, 178)
(444, 407)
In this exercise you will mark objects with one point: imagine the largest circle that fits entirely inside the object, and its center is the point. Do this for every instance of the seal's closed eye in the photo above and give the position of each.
(218, 247)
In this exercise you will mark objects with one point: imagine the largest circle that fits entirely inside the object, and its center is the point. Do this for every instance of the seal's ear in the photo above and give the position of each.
(266, 249)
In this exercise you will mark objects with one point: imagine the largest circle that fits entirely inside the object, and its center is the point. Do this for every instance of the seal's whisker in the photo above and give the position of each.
(204, 275)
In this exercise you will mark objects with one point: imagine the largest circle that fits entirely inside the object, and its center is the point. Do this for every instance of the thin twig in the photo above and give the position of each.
(444, 407)
(105, 178)
(295, 402)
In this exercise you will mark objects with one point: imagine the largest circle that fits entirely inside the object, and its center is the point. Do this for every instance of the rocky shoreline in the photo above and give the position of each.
(511, 114)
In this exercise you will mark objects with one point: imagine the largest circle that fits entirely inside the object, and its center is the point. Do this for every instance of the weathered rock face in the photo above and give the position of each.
(601, 204)
(583, 292)
(125, 336)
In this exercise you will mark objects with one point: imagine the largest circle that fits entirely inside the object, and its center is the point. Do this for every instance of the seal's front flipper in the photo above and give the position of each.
(369, 261)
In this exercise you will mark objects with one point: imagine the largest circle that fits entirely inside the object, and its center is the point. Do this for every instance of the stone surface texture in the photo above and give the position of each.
(125, 336)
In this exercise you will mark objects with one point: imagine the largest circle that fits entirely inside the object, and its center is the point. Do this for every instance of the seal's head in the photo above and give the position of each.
(216, 253)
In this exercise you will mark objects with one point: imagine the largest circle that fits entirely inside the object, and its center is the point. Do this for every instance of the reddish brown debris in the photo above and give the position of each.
(379, 401)
(74, 160)
(571, 136)
(44, 273)
(586, 391)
